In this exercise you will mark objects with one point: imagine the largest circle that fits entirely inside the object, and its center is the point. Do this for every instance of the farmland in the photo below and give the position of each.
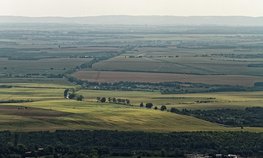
(191, 54)
(179, 69)
(130, 90)
(181, 65)
(114, 76)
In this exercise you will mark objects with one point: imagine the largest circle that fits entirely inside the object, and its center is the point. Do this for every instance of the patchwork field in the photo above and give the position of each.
(48, 110)
(34, 60)
(111, 77)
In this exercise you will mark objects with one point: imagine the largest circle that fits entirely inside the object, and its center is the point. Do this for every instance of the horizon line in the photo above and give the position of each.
(130, 16)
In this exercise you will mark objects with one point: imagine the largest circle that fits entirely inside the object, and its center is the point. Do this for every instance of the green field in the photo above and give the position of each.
(50, 111)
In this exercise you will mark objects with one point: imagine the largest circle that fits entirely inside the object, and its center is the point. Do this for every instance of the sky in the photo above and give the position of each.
(74, 8)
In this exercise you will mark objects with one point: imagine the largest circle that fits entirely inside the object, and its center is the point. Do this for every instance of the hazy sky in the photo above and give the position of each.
(131, 7)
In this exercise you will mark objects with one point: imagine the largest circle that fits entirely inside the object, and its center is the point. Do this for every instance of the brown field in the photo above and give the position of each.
(111, 76)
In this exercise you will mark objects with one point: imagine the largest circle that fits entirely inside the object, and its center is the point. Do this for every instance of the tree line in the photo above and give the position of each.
(94, 144)
(150, 106)
(114, 100)
(163, 87)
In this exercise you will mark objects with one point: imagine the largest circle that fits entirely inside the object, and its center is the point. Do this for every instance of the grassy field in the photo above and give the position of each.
(111, 77)
(50, 111)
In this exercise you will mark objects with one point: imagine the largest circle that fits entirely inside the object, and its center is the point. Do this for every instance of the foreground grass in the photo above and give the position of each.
(50, 111)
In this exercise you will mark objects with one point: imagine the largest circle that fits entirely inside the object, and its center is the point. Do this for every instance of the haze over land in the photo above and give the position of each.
(142, 20)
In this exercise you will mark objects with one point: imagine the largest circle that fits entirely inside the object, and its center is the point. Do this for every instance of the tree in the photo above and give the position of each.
(66, 93)
(118, 101)
(155, 108)
(71, 95)
(163, 108)
(94, 153)
(98, 99)
(141, 105)
(149, 105)
(21, 148)
(163, 153)
(128, 101)
(79, 97)
(103, 100)
(114, 100)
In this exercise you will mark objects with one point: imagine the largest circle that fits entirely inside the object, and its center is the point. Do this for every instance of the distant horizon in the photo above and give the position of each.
(141, 20)
(127, 15)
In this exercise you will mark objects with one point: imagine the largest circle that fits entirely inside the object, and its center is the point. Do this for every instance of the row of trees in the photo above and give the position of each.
(114, 100)
(150, 106)
(128, 102)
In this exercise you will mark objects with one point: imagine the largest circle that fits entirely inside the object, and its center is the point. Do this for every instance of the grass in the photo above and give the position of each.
(50, 111)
